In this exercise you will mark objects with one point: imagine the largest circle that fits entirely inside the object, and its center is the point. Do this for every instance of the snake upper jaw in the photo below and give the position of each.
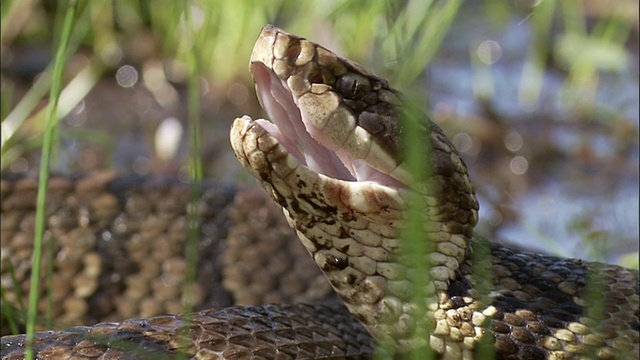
(289, 127)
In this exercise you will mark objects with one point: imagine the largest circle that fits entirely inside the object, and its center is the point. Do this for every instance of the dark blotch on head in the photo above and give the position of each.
(344, 234)
(347, 217)
(381, 121)
(318, 204)
(344, 249)
(351, 279)
(335, 263)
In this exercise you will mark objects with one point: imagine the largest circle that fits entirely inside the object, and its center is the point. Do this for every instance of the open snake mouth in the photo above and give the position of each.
(291, 124)
(335, 127)
(330, 114)
(291, 127)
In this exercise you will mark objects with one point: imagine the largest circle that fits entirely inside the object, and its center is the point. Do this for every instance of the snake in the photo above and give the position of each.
(332, 157)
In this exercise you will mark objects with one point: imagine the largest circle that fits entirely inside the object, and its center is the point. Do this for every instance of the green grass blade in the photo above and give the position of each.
(417, 246)
(60, 62)
(195, 160)
(16, 117)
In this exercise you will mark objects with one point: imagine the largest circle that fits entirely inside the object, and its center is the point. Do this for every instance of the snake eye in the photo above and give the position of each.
(353, 86)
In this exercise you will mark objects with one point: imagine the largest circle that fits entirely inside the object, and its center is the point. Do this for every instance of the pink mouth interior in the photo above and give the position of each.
(301, 138)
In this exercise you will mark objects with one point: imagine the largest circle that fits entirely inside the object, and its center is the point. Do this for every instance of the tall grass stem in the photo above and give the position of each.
(56, 84)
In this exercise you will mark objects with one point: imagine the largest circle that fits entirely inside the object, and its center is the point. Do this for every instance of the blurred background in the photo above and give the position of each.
(540, 97)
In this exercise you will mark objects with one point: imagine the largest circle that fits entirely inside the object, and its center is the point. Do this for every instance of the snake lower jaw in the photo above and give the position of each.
(271, 162)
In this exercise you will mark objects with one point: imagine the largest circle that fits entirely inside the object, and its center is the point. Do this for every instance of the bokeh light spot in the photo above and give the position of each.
(127, 76)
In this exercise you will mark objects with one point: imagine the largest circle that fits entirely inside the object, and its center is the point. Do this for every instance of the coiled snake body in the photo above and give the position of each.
(331, 158)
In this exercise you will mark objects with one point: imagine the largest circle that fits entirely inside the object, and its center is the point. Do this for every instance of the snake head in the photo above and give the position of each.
(336, 117)
(340, 120)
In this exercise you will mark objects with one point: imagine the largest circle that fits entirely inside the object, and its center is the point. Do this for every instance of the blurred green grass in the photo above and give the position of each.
(114, 33)
(396, 38)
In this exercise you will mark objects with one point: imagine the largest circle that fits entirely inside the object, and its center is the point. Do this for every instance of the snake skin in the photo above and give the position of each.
(525, 306)
(118, 247)
(303, 331)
